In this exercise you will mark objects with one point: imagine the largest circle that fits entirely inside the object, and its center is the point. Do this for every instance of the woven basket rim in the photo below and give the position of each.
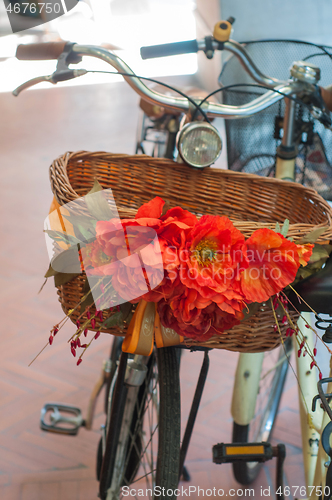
(64, 160)
(140, 158)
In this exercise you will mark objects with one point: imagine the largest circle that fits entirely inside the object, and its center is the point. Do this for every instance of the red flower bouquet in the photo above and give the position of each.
(211, 272)
(202, 274)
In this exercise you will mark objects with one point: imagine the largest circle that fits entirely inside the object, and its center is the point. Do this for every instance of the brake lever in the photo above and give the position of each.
(57, 76)
(62, 72)
(32, 82)
(318, 109)
(322, 115)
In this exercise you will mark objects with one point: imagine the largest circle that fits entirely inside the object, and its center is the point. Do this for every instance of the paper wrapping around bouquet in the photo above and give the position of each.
(55, 217)
(145, 329)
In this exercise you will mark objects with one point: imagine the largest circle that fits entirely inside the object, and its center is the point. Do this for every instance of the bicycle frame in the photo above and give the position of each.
(312, 423)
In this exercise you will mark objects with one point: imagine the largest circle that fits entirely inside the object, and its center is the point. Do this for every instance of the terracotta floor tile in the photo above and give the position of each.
(69, 490)
(10, 492)
(50, 491)
(30, 491)
(88, 489)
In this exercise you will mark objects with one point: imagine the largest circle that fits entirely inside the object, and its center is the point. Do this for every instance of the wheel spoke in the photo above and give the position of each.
(144, 407)
(137, 446)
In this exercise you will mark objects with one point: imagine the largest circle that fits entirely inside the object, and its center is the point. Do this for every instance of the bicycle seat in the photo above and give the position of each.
(155, 112)
(316, 290)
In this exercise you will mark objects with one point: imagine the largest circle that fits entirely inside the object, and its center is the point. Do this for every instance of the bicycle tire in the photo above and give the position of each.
(160, 390)
(246, 472)
(114, 357)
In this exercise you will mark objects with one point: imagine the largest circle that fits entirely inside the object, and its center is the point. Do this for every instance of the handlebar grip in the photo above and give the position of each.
(169, 49)
(40, 51)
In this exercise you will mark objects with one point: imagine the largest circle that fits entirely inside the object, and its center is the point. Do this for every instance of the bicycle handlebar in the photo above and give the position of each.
(40, 51)
(206, 44)
(169, 49)
(181, 103)
(171, 102)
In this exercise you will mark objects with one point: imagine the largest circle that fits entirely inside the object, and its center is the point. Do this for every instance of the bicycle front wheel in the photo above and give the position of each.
(143, 443)
(271, 384)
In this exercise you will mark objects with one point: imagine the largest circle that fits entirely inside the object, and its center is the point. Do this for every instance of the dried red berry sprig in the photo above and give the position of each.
(301, 339)
(307, 324)
(91, 320)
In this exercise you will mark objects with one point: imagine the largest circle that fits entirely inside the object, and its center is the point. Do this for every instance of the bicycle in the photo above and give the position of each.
(167, 474)
(240, 143)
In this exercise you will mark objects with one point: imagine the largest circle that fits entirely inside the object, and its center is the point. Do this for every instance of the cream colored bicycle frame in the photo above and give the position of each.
(246, 386)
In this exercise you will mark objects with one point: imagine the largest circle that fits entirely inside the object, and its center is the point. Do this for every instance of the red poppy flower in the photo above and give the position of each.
(213, 256)
(193, 316)
(172, 237)
(273, 264)
(132, 257)
(172, 231)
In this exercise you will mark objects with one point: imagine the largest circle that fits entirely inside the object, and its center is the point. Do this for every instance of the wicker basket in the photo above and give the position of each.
(250, 201)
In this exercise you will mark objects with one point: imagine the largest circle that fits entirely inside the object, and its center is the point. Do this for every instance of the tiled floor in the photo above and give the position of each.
(35, 129)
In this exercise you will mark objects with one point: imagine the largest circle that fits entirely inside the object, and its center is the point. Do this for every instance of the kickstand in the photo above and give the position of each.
(192, 415)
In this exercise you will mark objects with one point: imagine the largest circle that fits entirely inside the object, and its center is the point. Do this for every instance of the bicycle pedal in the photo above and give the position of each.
(62, 419)
(246, 452)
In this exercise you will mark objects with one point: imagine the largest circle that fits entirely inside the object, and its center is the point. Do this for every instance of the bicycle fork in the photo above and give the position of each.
(131, 375)
(135, 374)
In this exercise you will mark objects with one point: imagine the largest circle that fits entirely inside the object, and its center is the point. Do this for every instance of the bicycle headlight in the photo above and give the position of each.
(199, 144)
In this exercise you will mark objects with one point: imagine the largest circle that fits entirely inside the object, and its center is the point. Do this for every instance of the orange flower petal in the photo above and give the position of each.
(151, 209)
(304, 252)
(273, 264)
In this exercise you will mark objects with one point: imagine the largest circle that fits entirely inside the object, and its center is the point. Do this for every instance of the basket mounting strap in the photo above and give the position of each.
(145, 329)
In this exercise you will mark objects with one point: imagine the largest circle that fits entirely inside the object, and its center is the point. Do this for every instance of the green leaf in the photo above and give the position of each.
(84, 226)
(285, 227)
(50, 272)
(313, 236)
(84, 233)
(124, 315)
(60, 236)
(114, 320)
(303, 272)
(60, 278)
(97, 205)
(129, 317)
(277, 228)
(320, 253)
(67, 261)
(126, 309)
(96, 187)
(319, 256)
(252, 309)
